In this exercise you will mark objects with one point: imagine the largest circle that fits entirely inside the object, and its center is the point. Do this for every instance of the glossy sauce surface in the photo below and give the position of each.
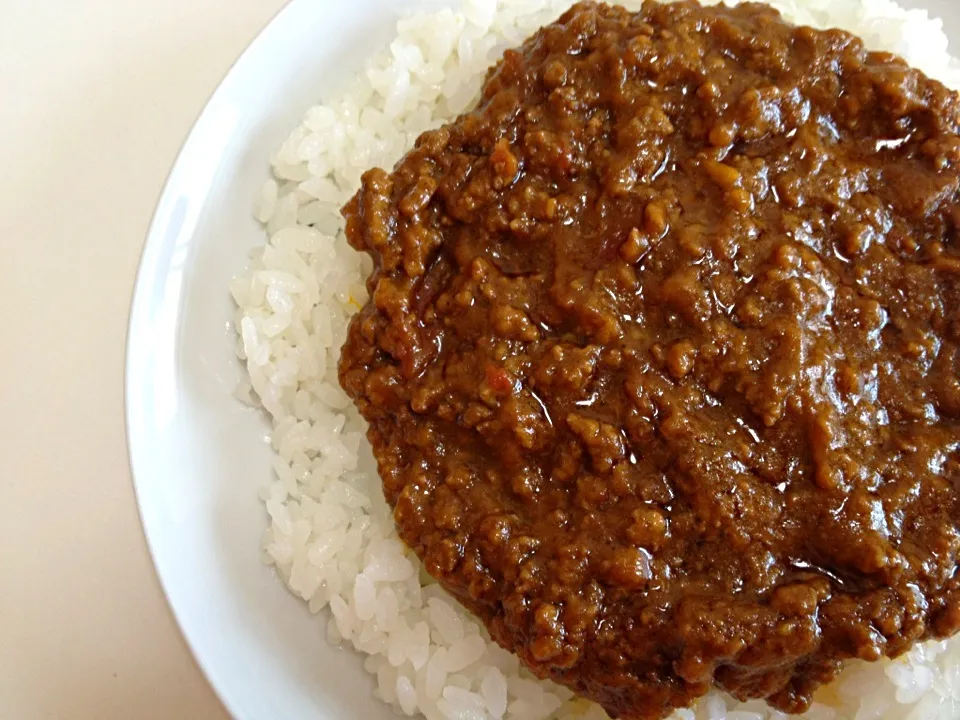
(661, 358)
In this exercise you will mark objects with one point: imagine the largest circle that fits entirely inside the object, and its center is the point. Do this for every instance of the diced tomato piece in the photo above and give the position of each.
(498, 380)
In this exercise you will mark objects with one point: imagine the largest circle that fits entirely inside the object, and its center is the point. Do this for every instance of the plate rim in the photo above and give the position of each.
(138, 308)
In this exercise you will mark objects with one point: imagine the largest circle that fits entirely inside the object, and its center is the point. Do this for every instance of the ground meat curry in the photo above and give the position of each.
(661, 360)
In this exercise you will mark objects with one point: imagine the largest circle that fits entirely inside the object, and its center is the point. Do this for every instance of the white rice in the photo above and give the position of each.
(331, 536)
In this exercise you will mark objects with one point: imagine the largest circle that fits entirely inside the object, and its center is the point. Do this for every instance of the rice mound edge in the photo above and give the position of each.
(330, 535)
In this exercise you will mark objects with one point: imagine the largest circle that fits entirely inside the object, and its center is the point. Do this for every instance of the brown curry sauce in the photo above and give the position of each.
(661, 360)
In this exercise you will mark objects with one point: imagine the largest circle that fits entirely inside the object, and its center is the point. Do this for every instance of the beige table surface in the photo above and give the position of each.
(97, 96)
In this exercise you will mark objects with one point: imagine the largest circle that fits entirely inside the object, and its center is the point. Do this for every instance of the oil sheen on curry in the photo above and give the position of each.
(662, 357)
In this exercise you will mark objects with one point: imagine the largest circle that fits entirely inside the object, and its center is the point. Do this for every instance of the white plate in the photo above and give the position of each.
(198, 456)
